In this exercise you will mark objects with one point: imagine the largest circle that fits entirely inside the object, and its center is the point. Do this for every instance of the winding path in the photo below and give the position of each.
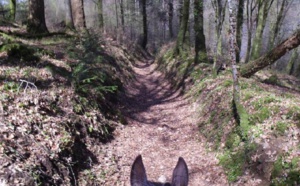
(162, 126)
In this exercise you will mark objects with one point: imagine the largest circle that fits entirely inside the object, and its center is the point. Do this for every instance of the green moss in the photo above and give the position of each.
(19, 51)
(281, 127)
(263, 101)
(273, 80)
(233, 163)
(233, 141)
(227, 83)
(248, 95)
(244, 85)
(285, 173)
(261, 115)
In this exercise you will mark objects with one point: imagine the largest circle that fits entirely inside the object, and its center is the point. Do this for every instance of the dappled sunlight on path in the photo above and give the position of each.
(162, 126)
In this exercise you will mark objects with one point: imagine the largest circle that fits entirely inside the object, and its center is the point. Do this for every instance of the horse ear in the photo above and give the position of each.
(138, 175)
(180, 175)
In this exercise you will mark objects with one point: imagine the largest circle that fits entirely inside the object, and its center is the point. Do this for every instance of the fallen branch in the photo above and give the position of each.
(28, 84)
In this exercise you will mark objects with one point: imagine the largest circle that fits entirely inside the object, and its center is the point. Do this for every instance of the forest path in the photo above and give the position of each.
(161, 127)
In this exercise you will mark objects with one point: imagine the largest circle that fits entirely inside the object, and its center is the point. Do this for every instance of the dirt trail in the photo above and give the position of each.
(162, 126)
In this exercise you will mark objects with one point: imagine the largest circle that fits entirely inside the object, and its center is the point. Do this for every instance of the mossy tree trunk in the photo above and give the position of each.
(36, 18)
(251, 5)
(145, 26)
(200, 46)
(13, 8)
(78, 15)
(252, 67)
(182, 28)
(240, 111)
(219, 7)
(285, 4)
(290, 68)
(263, 10)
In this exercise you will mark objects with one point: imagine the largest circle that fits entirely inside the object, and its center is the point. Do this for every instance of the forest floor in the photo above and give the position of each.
(162, 126)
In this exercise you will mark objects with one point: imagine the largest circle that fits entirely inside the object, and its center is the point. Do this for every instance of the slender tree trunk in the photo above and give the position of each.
(263, 9)
(100, 14)
(36, 19)
(252, 67)
(145, 27)
(122, 15)
(70, 23)
(170, 13)
(250, 8)
(232, 43)
(200, 46)
(285, 4)
(183, 27)
(290, 68)
(239, 25)
(219, 7)
(78, 15)
(117, 16)
(13, 8)
(239, 110)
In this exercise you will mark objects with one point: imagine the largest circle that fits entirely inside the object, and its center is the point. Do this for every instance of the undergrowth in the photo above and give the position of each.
(268, 125)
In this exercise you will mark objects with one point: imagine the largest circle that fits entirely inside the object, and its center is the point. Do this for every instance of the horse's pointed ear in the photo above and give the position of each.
(180, 175)
(138, 175)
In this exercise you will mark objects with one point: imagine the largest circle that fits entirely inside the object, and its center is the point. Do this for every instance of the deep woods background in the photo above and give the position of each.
(66, 66)
(261, 25)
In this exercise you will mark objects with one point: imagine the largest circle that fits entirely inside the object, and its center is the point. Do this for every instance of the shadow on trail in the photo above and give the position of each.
(150, 89)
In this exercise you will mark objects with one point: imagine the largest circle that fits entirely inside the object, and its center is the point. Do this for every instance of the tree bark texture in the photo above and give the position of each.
(200, 46)
(78, 15)
(263, 9)
(252, 67)
(13, 8)
(145, 29)
(170, 16)
(36, 19)
(183, 27)
(239, 25)
(100, 14)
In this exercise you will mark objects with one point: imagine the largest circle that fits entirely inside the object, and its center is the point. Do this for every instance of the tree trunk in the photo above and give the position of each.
(250, 8)
(232, 44)
(100, 14)
(145, 29)
(183, 27)
(200, 46)
(78, 15)
(170, 13)
(13, 7)
(252, 67)
(122, 15)
(36, 19)
(290, 68)
(263, 9)
(69, 20)
(239, 110)
(219, 7)
(279, 19)
(239, 25)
